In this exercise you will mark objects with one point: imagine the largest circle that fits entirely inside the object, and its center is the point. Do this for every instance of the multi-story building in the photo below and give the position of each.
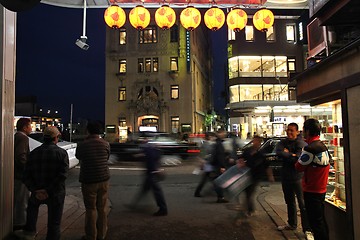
(333, 78)
(157, 79)
(260, 65)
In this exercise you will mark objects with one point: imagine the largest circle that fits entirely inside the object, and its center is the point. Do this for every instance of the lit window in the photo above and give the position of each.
(148, 35)
(122, 122)
(122, 66)
(270, 34)
(174, 64)
(281, 66)
(155, 64)
(122, 36)
(234, 94)
(174, 33)
(140, 65)
(268, 66)
(147, 64)
(290, 33)
(231, 35)
(249, 33)
(175, 124)
(174, 92)
(291, 65)
(122, 94)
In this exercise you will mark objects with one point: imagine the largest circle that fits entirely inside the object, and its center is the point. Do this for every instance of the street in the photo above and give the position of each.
(189, 217)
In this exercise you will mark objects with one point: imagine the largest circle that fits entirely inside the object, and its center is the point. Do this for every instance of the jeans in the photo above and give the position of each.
(290, 190)
(55, 204)
(95, 197)
(21, 197)
(314, 203)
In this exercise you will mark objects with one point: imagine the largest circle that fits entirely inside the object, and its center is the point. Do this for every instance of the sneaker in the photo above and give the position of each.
(285, 227)
(24, 235)
(309, 235)
(160, 213)
(222, 200)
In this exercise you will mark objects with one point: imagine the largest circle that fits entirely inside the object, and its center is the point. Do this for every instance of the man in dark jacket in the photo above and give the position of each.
(93, 154)
(44, 175)
(288, 151)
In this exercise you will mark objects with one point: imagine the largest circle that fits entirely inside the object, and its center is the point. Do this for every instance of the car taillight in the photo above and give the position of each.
(193, 151)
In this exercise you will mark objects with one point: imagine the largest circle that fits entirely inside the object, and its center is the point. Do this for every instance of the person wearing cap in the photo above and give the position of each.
(44, 175)
(21, 154)
(93, 154)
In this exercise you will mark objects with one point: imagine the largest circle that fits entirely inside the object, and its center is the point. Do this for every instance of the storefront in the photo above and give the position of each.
(335, 82)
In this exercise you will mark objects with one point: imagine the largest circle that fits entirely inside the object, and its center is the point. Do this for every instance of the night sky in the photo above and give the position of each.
(51, 67)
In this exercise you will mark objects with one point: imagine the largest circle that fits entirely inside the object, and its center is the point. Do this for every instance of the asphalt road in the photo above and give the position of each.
(189, 217)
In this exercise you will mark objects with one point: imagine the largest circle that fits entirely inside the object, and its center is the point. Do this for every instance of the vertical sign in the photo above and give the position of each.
(188, 51)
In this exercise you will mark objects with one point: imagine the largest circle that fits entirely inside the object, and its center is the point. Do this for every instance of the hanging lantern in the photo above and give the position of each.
(263, 19)
(190, 18)
(139, 17)
(214, 18)
(115, 16)
(165, 17)
(236, 19)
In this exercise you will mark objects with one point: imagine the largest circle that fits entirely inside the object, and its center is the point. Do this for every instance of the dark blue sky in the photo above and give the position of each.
(51, 67)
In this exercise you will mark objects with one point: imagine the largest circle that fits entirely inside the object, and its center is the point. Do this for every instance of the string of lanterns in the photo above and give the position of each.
(190, 18)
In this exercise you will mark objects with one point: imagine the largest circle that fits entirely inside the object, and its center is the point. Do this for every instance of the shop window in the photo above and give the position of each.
(122, 36)
(140, 65)
(231, 35)
(122, 122)
(250, 92)
(175, 124)
(122, 66)
(174, 64)
(147, 64)
(290, 33)
(174, 33)
(268, 66)
(281, 66)
(249, 33)
(174, 92)
(148, 35)
(122, 93)
(234, 94)
(270, 34)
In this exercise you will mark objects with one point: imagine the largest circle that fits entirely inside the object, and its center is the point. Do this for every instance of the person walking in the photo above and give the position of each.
(153, 175)
(21, 154)
(44, 175)
(206, 155)
(314, 162)
(93, 154)
(288, 151)
(219, 163)
(253, 158)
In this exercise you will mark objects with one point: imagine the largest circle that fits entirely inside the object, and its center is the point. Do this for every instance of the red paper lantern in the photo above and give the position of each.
(190, 18)
(139, 17)
(263, 20)
(115, 16)
(165, 17)
(214, 18)
(236, 19)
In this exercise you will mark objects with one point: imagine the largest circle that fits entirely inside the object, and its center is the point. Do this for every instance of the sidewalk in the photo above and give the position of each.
(270, 197)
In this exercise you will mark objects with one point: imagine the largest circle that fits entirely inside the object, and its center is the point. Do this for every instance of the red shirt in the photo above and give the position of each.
(315, 177)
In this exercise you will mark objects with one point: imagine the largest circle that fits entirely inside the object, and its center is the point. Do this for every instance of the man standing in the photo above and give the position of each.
(288, 151)
(44, 175)
(314, 162)
(21, 153)
(93, 154)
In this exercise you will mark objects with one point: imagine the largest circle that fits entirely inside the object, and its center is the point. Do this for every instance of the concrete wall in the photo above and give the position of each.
(7, 96)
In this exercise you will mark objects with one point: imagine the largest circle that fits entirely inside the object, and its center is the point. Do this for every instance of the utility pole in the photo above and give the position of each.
(71, 117)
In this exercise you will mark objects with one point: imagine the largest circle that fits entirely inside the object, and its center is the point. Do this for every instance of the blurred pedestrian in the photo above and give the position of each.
(153, 176)
(44, 175)
(21, 154)
(314, 162)
(93, 154)
(253, 158)
(219, 163)
(288, 151)
(206, 151)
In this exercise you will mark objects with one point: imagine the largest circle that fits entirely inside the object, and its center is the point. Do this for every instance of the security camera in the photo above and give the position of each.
(81, 43)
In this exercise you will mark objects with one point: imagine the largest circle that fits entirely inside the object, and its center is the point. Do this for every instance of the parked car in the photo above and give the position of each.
(166, 142)
(37, 138)
(268, 147)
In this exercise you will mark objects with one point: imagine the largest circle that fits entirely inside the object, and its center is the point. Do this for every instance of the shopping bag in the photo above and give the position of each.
(234, 180)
